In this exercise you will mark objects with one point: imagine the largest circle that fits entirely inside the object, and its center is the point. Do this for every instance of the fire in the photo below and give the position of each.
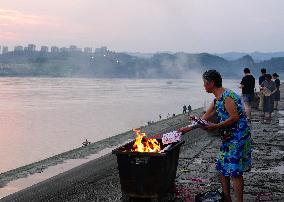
(144, 144)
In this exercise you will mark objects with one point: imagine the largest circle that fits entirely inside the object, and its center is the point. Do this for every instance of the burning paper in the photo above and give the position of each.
(144, 144)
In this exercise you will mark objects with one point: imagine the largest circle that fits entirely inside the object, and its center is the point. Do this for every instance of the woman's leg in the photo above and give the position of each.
(261, 97)
(225, 182)
(276, 105)
(238, 185)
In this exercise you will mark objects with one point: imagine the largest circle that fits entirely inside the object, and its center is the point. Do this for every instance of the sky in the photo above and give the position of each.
(193, 26)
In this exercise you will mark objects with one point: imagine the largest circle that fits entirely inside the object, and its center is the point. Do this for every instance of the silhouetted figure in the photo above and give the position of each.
(184, 109)
(189, 109)
(260, 81)
(174, 115)
(160, 116)
(247, 85)
(277, 93)
(269, 88)
(86, 142)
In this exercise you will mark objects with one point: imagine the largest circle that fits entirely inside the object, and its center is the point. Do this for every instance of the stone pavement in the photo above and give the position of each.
(196, 171)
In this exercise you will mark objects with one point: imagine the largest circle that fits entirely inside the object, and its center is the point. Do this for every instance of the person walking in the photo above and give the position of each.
(248, 88)
(268, 88)
(234, 157)
(189, 109)
(261, 79)
(184, 109)
(277, 93)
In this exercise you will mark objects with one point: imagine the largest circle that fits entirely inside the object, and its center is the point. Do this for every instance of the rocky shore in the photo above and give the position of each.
(98, 180)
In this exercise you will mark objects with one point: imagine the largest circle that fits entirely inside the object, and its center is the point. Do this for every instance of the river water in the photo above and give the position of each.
(41, 117)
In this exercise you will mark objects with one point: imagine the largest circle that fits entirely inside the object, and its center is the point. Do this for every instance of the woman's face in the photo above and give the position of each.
(208, 86)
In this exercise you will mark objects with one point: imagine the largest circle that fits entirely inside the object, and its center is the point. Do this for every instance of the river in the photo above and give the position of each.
(41, 117)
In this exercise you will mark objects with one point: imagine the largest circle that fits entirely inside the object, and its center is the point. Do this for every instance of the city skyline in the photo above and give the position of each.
(146, 26)
(45, 48)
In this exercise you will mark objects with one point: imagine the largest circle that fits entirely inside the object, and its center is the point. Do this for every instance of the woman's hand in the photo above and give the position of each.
(212, 127)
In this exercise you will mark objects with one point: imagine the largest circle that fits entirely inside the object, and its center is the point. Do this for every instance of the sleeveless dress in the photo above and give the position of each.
(234, 156)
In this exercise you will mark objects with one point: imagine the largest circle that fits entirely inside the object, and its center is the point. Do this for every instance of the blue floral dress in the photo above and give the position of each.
(234, 157)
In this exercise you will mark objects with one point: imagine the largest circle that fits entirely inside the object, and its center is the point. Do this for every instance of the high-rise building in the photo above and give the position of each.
(44, 49)
(54, 49)
(18, 48)
(5, 49)
(31, 47)
(87, 50)
(101, 50)
(73, 48)
(63, 49)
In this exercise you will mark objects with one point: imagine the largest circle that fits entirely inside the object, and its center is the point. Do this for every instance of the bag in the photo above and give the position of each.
(266, 91)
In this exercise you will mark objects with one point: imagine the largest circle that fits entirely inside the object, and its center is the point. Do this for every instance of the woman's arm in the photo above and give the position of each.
(209, 113)
(232, 110)
(233, 115)
(275, 89)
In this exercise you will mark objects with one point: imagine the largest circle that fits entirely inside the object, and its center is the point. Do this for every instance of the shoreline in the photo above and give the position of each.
(84, 152)
(98, 180)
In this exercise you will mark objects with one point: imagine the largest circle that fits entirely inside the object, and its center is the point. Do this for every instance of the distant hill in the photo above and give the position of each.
(122, 65)
(141, 55)
(257, 56)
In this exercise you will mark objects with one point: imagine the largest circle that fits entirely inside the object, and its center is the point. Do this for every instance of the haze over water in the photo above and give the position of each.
(41, 117)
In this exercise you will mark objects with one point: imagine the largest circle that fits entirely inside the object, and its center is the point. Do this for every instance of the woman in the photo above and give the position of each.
(234, 157)
(268, 87)
(277, 93)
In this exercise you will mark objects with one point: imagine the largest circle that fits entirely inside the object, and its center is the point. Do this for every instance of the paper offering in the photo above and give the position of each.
(200, 121)
(171, 137)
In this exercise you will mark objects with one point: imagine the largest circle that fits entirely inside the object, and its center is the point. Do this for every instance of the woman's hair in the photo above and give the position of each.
(213, 75)
(246, 70)
(275, 74)
(268, 77)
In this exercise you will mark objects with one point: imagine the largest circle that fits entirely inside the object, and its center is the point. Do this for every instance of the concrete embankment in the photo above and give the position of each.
(104, 163)
(98, 180)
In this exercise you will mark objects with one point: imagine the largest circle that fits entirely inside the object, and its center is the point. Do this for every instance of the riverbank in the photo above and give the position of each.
(54, 165)
(98, 180)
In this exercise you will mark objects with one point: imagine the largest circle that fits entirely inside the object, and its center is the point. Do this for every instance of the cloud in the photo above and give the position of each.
(16, 17)
(7, 35)
(17, 26)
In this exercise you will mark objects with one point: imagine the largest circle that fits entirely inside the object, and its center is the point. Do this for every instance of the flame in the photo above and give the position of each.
(144, 144)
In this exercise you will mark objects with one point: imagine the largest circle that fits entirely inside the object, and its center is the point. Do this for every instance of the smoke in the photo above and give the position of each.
(184, 66)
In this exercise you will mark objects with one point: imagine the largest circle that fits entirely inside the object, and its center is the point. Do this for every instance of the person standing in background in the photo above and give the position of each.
(184, 109)
(189, 109)
(269, 88)
(248, 87)
(277, 93)
(260, 81)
